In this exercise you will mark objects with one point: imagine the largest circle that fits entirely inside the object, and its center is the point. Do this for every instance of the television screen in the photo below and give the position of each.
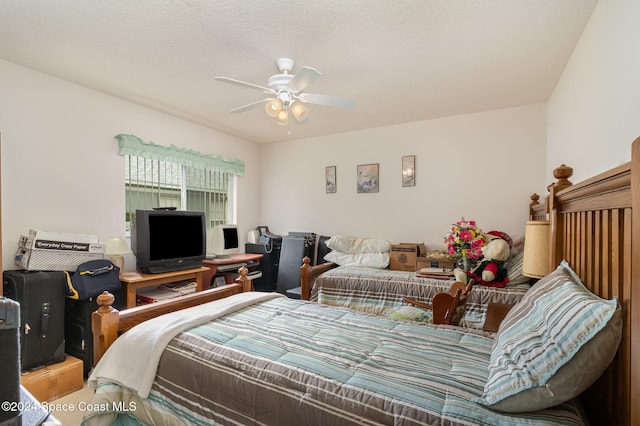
(175, 235)
(230, 238)
(168, 240)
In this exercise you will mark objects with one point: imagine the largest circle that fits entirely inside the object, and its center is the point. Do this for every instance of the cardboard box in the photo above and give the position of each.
(38, 251)
(436, 260)
(62, 236)
(54, 381)
(402, 257)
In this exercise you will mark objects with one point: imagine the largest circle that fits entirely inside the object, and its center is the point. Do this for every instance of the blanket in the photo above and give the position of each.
(132, 360)
(288, 362)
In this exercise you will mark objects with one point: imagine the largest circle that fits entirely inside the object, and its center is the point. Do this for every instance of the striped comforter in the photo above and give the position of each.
(381, 291)
(287, 362)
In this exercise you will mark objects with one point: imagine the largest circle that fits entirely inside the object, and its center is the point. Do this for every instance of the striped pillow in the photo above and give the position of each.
(514, 270)
(552, 345)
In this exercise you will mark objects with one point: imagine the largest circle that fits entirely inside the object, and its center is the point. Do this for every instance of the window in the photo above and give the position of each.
(159, 176)
(154, 183)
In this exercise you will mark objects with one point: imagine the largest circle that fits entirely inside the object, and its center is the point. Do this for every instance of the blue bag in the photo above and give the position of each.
(92, 278)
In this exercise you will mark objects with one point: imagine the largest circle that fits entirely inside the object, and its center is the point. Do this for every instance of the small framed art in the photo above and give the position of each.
(409, 170)
(330, 179)
(368, 178)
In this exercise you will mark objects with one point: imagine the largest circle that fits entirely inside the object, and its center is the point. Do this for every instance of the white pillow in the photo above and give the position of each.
(368, 260)
(347, 244)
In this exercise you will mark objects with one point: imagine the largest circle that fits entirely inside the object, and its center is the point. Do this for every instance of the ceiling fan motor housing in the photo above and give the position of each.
(285, 65)
(279, 82)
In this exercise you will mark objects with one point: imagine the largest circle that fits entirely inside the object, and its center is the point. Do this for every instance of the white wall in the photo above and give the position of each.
(594, 112)
(481, 166)
(61, 171)
(60, 165)
(591, 120)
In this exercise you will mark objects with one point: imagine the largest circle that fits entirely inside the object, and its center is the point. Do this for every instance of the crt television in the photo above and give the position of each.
(168, 240)
(224, 240)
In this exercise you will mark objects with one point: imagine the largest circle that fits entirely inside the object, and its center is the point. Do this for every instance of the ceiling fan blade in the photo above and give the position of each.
(244, 84)
(303, 78)
(332, 101)
(252, 105)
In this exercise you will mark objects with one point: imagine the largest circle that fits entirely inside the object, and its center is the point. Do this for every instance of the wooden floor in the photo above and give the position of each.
(67, 410)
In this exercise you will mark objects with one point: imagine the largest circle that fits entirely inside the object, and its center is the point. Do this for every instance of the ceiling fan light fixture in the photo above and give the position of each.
(299, 111)
(273, 107)
(282, 117)
(288, 93)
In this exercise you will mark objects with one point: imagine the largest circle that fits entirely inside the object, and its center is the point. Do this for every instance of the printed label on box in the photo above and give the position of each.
(30, 242)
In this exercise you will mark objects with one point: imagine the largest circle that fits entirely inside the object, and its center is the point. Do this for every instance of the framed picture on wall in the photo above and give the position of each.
(409, 170)
(330, 179)
(368, 178)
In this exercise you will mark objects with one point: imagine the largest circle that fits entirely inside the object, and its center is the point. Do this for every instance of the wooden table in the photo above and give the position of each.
(132, 281)
(230, 260)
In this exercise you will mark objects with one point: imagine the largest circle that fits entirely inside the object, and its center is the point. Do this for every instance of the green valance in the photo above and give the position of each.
(133, 145)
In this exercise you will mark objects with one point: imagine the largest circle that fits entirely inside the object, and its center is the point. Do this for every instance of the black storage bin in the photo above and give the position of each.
(41, 297)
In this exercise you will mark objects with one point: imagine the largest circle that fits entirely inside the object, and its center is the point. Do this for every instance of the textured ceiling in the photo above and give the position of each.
(401, 61)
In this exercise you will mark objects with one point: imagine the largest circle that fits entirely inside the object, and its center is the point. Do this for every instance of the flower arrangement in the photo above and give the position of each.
(465, 238)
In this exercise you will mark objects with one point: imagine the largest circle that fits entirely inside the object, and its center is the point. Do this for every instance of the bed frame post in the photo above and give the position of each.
(634, 373)
(534, 206)
(308, 275)
(305, 279)
(247, 283)
(562, 173)
(104, 324)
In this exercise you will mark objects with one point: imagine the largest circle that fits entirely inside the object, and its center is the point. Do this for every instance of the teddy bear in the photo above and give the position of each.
(491, 271)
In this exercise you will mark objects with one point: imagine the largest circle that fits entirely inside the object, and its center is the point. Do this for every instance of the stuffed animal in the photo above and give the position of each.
(491, 271)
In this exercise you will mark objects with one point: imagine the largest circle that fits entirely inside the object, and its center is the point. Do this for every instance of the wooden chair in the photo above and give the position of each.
(444, 305)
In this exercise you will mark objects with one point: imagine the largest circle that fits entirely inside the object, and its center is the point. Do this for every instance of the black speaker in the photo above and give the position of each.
(268, 265)
(10, 362)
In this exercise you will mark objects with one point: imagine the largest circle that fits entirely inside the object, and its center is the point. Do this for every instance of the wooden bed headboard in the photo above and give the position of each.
(595, 226)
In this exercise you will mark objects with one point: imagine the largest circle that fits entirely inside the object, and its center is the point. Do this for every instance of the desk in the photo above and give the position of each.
(234, 258)
(132, 281)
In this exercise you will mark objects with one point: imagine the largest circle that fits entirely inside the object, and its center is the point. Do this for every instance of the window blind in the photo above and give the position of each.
(159, 177)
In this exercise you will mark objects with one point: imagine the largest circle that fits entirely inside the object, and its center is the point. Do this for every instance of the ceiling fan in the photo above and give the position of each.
(288, 97)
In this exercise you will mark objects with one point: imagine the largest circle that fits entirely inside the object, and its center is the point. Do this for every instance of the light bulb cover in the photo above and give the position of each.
(299, 111)
(116, 245)
(273, 107)
(282, 118)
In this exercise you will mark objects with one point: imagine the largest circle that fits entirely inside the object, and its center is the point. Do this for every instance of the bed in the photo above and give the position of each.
(382, 291)
(348, 367)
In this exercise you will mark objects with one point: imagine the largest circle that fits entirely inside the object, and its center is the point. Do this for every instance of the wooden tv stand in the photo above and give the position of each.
(132, 281)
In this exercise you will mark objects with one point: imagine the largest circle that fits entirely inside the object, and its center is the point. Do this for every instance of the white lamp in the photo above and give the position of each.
(115, 248)
(537, 240)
